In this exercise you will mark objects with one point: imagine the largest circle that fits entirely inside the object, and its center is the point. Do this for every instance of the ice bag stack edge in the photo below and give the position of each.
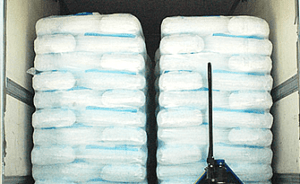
(90, 95)
(239, 51)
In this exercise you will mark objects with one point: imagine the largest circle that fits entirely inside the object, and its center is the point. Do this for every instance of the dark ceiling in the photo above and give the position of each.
(150, 12)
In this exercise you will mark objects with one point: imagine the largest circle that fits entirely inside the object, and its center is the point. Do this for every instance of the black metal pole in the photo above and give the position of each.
(210, 123)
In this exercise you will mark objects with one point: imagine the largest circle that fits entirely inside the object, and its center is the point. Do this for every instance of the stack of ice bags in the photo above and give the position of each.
(239, 51)
(90, 94)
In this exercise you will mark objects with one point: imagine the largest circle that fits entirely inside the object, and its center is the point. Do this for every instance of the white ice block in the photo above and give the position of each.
(82, 98)
(204, 25)
(110, 44)
(251, 137)
(46, 118)
(180, 80)
(231, 118)
(83, 172)
(228, 44)
(53, 81)
(180, 180)
(79, 61)
(118, 23)
(250, 100)
(90, 136)
(165, 172)
(179, 117)
(49, 155)
(231, 81)
(250, 63)
(181, 44)
(57, 43)
(113, 155)
(112, 117)
(103, 80)
(243, 154)
(179, 154)
(252, 172)
(248, 26)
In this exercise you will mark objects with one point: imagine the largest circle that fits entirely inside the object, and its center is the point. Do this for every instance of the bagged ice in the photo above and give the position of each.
(118, 23)
(250, 63)
(82, 98)
(248, 26)
(227, 44)
(53, 81)
(179, 154)
(103, 80)
(113, 155)
(57, 43)
(50, 155)
(112, 117)
(47, 118)
(243, 154)
(180, 80)
(90, 136)
(181, 44)
(203, 26)
(179, 117)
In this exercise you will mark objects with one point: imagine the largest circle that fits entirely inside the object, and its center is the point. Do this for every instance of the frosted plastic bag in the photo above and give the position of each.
(251, 137)
(102, 80)
(57, 43)
(165, 172)
(228, 44)
(53, 81)
(178, 154)
(90, 136)
(112, 117)
(250, 100)
(53, 118)
(223, 80)
(248, 26)
(250, 63)
(231, 118)
(180, 80)
(82, 172)
(119, 23)
(252, 172)
(181, 44)
(179, 117)
(113, 155)
(110, 44)
(82, 98)
(204, 25)
(243, 154)
(41, 155)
